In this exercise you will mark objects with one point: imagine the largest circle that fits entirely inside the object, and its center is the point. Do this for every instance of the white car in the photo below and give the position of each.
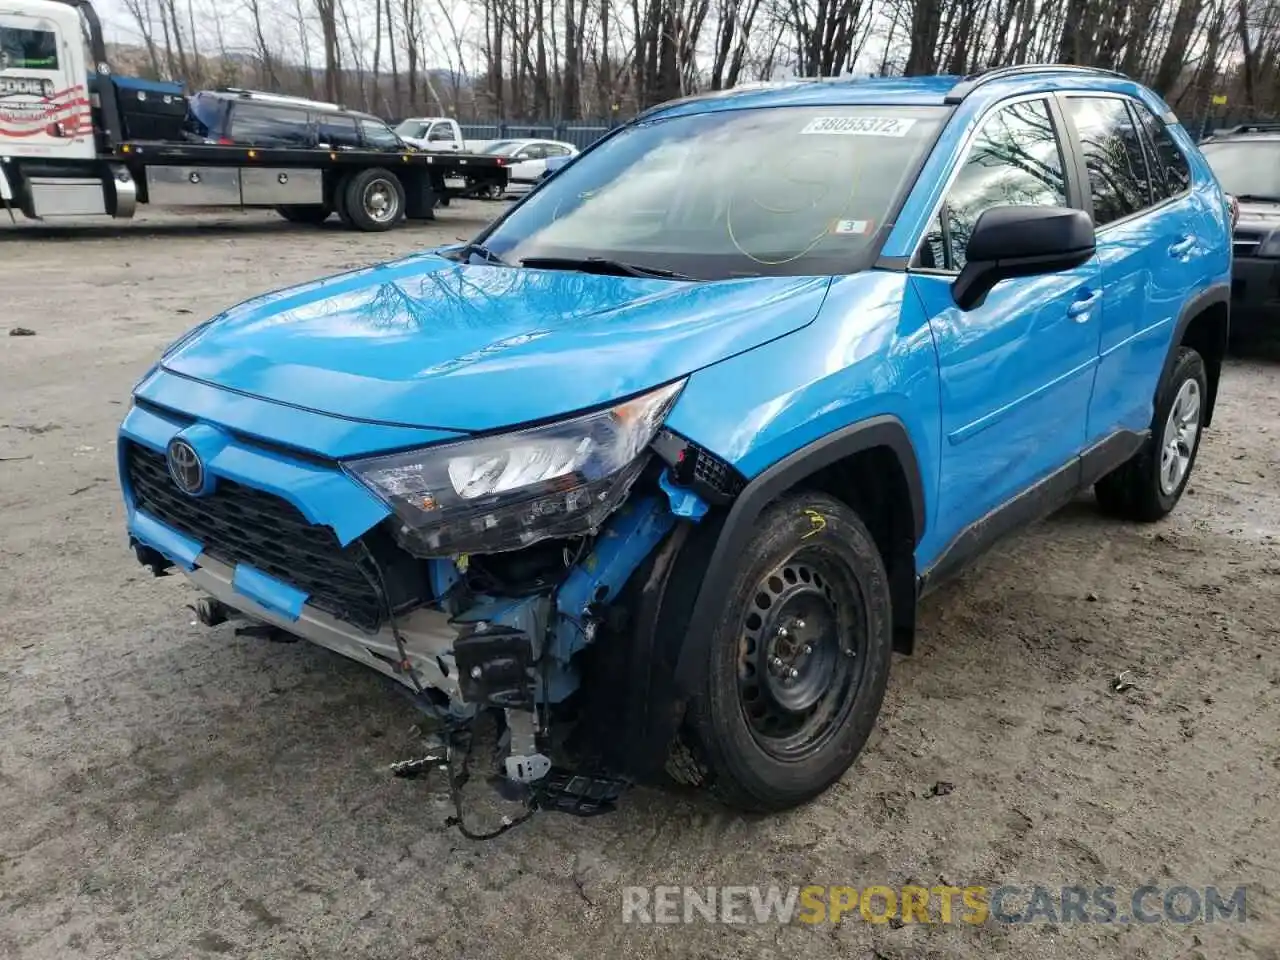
(528, 160)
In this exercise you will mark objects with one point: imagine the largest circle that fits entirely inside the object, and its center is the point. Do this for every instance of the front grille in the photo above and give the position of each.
(238, 524)
(1245, 243)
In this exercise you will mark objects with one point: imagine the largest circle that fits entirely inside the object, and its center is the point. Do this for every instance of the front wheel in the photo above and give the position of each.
(1148, 486)
(798, 664)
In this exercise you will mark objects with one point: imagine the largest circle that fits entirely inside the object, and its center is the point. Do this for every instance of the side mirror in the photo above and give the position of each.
(1021, 241)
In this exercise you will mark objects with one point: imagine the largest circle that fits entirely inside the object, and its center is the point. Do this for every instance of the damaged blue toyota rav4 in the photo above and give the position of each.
(664, 458)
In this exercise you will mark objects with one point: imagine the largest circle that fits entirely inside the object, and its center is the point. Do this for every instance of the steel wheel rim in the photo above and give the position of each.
(381, 202)
(1178, 444)
(802, 645)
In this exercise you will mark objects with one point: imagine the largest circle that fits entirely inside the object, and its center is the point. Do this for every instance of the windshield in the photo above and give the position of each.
(782, 190)
(502, 147)
(412, 129)
(1248, 168)
(378, 134)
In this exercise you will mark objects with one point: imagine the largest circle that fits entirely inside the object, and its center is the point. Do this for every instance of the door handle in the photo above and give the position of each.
(1183, 247)
(1079, 310)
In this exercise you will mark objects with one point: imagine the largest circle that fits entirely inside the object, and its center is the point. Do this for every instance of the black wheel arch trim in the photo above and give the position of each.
(739, 525)
(1211, 296)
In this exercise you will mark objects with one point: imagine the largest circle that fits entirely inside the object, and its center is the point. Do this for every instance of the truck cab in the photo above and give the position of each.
(434, 134)
(44, 95)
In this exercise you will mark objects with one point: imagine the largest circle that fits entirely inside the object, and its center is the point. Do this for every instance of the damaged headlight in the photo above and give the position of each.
(507, 491)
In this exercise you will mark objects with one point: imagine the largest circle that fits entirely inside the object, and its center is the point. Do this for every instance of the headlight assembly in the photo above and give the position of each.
(507, 491)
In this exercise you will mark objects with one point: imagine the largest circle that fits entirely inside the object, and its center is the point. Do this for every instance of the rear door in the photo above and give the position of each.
(268, 125)
(1017, 371)
(1147, 245)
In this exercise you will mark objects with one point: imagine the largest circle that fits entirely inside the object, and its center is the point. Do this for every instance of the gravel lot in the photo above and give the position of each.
(169, 791)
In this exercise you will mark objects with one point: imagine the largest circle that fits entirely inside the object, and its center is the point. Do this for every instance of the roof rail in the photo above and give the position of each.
(281, 98)
(976, 80)
(1254, 126)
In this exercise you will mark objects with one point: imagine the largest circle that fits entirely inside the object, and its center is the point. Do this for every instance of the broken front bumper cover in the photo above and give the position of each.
(427, 634)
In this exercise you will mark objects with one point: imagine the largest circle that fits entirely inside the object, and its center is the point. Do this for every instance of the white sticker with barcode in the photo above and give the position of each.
(860, 126)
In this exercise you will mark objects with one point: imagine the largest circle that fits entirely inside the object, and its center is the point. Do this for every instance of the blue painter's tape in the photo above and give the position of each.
(179, 548)
(268, 591)
(444, 574)
(684, 503)
(627, 538)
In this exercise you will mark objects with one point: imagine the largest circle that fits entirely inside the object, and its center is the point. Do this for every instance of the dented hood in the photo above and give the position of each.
(428, 342)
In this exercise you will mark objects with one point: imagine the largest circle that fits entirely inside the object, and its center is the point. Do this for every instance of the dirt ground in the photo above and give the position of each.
(170, 791)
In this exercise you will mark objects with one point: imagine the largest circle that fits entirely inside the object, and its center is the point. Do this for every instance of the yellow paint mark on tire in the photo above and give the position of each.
(817, 520)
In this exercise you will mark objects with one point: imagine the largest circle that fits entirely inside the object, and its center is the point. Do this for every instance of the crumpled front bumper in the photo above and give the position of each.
(427, 634)
(325, 496)
(421, 649)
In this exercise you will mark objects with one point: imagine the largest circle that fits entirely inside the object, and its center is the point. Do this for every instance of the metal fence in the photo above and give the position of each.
(581, 135)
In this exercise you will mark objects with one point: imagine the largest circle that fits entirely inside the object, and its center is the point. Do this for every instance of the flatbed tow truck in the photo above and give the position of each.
(64, 150)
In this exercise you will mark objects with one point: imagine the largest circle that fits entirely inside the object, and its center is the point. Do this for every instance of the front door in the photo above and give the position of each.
(1017, 372)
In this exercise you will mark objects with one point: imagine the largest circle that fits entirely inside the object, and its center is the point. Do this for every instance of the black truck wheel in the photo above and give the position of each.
(1148, 485)
(374, 200)
(310, 214)
(798, 663)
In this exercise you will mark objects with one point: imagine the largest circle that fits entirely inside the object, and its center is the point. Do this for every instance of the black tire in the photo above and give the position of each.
(811, 591)
(1144, 488)
(340, 201)
(374, 200)
(443, 201)
(310, 214)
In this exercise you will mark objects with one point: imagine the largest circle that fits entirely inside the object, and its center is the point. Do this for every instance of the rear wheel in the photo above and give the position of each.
(798, 665)
(340, 202)
(1149, 485)
(311, 214)
(374, 200)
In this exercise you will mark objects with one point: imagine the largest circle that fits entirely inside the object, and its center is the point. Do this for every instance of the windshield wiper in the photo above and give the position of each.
(480, 250)
(601, 265)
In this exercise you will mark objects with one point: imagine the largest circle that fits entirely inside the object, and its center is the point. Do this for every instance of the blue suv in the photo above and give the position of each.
(666, 456)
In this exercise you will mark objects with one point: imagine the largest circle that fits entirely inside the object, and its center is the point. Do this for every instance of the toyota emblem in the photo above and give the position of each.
(185, 467)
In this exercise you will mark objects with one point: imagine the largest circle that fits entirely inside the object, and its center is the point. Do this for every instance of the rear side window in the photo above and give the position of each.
(1168, 156)
(28, 49)
(1118, 177)
(268, 126)
(338, 131)
(1014, 159)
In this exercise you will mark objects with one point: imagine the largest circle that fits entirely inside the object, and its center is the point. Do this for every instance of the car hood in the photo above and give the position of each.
(429, 342)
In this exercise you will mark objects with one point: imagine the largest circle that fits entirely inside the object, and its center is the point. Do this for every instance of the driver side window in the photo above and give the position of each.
(1015, 159)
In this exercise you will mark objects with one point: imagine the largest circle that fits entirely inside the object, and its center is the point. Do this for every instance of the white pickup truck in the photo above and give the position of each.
(437, 135)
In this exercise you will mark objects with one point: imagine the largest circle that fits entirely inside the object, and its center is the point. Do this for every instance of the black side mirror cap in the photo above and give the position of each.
(1021, 241)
